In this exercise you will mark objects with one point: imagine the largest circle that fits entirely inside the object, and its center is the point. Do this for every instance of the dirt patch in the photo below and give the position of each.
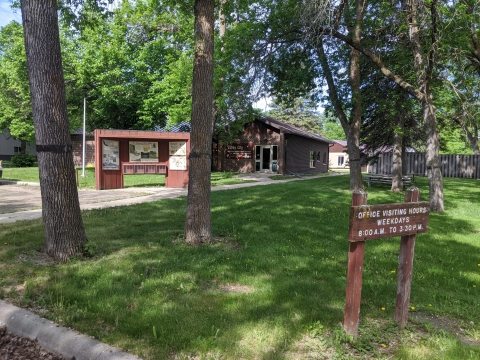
(227, 288)
(17, 348)
(235, 288)
(451, 326)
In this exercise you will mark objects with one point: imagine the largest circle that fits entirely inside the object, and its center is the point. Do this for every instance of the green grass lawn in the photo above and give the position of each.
(272, 286)
(30, 174)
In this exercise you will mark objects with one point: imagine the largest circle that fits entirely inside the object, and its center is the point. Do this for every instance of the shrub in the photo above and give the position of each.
(23, 160)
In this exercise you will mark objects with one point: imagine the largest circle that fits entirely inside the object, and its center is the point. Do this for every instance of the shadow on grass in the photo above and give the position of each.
(281, 249)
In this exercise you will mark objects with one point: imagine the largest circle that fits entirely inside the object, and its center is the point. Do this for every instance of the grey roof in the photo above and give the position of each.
(80, 132)
(184, 126)
(380, 150)
(290, 129)
(341, 142)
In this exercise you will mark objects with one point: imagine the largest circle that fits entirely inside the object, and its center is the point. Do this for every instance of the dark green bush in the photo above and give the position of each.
(23, 160)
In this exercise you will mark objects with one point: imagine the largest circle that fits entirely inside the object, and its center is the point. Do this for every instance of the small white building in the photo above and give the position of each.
(338, 155)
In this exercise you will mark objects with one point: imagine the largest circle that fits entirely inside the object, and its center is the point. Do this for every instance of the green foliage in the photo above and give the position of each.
(301, 113)
(333, 130)
(90, 248)
(15, 105)
(135, 61)
(23, 160)
(292, 73)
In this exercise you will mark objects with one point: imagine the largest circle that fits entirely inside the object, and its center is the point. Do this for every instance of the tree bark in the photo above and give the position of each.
(353, 138)
(198, 228)
(23, 147)
(351, 129)
(397, 182)
(350, 126)
(472, 136)
(424, 77)
(432, 159)
(63, 226)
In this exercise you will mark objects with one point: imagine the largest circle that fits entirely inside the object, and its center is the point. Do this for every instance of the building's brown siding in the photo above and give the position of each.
(294, 159)
(255, 132)
(338, 148)
(77, 141)
(298, 155)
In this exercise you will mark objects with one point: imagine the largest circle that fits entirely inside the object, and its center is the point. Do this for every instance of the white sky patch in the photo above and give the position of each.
(7, 14)
(262, 104)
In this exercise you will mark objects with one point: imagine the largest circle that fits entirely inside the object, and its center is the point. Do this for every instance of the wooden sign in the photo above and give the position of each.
(368, 222)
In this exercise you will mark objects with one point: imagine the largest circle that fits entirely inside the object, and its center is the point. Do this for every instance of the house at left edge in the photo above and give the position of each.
(10, 146)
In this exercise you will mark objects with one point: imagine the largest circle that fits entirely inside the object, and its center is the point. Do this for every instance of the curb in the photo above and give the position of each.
(15, 182)
(57, 339)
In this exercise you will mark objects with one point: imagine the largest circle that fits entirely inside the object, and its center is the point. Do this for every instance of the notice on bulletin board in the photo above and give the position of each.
(177, 148)
(110, 152)
(178, 162)
(142, 151)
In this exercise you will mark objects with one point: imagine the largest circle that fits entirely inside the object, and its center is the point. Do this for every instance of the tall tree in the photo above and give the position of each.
(352, 20)
(198, 227)
(63, 226)
(302, 113)
(424, 51)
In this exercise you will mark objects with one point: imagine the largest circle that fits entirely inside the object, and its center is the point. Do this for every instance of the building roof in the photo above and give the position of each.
(184, 126)
(80, 132)
(290, 129)
(380, 150)
(341, 142)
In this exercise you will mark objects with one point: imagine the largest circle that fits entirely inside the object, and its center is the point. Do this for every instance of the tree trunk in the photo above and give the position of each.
(23, 147)
(63, 226)
(472, 136)
(352, 130)
(353, 137)
(423, 75)
(397, 182)
(432, 158)
(475, 148)
(353, 149)
(198, 228)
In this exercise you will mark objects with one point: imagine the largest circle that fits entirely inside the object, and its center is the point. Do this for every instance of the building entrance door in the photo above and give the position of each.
(266, 158)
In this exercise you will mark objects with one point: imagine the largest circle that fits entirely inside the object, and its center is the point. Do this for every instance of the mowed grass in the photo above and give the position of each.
(87, 181)
(272, 286)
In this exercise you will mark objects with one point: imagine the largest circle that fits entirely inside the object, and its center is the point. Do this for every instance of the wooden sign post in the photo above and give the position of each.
(369, 222)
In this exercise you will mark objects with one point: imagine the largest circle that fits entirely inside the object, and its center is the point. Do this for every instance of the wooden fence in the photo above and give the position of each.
(459, 166)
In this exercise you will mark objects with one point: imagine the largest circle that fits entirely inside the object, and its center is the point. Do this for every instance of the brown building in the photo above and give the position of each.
(271, 146)
(77, 146)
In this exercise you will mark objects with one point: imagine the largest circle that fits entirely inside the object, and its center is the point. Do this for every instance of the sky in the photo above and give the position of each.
(7, 14)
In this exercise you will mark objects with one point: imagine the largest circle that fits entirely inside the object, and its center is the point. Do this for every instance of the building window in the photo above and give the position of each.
(17, 149)
(324, 158)
(318, 156)
(274, 158)
(312, 159)
(341, 160)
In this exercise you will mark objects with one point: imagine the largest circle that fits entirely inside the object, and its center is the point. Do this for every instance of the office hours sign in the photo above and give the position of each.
(369, 222)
